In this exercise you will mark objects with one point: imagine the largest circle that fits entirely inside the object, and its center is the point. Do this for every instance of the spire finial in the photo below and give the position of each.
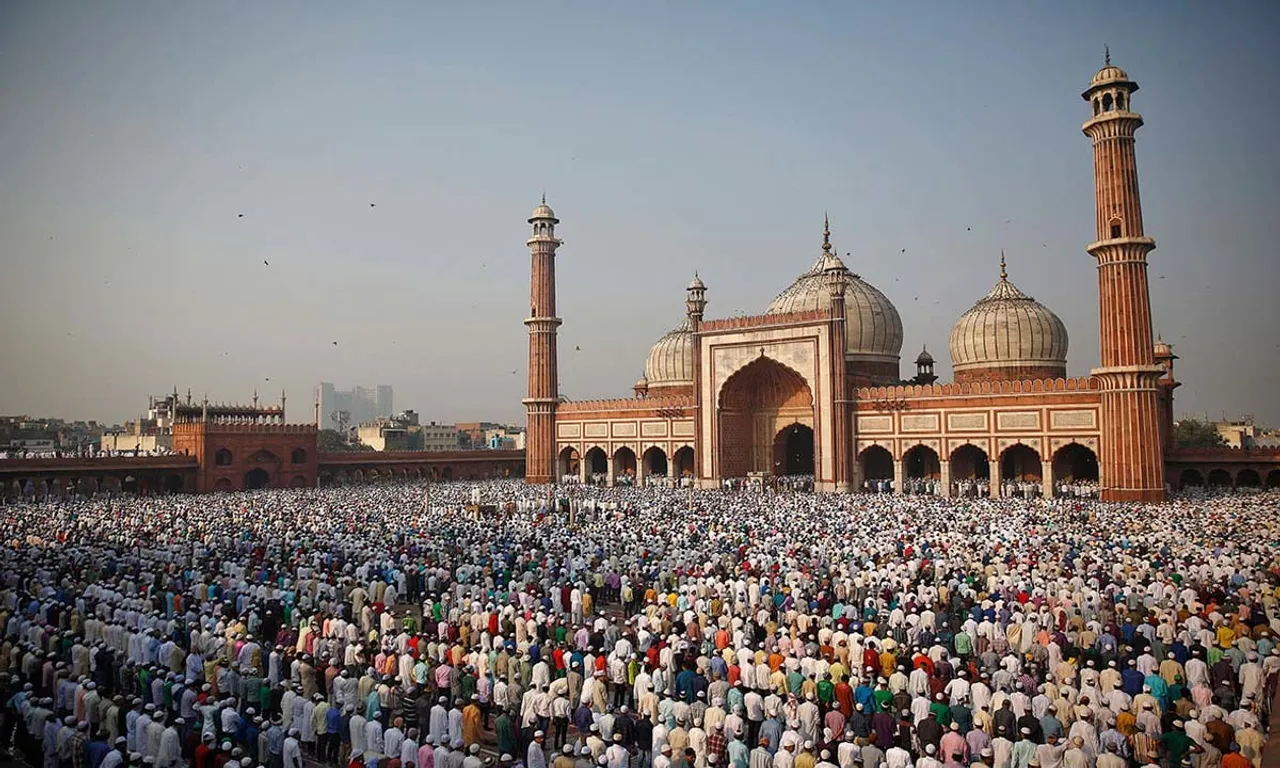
(826, 233)
(1106, 54)
(544, 192)
(1004, 273)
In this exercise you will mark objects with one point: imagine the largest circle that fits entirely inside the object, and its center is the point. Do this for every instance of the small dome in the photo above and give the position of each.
(1109, 74)
(1162, 349)
(1008, 329)
(543, 211)
(924, 357)
(670, 361)
(696, 284)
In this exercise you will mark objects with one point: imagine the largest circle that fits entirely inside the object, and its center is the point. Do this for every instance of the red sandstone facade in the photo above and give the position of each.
(1132, 449)
(242, 456)
(817, 368)
(544, 383)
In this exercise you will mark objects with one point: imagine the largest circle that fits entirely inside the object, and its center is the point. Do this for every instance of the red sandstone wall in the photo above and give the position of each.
(1016, 373)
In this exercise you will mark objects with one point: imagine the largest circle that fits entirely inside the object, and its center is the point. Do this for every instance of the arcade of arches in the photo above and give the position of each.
(1222, 478)
(625, 467)
(765, 420)
(969, 469)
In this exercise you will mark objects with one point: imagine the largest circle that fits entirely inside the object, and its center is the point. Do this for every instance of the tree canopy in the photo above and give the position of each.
(1193, 433)
(332, 441)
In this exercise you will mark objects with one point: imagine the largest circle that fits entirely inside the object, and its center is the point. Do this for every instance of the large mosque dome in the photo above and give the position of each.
(874, 328)
(670, 361)
(1008, 335)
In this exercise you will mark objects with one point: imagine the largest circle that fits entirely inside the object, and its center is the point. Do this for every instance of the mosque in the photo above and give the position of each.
(812, 385)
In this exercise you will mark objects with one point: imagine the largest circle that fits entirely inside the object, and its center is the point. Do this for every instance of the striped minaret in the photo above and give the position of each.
(544, 386)
(1132, 460)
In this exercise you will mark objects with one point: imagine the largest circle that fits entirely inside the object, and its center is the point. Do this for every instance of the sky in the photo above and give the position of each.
(209, 195)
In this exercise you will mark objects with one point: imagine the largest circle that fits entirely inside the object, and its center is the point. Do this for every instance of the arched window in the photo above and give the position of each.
(299, 456)
(1115, 228)
(1097, 106)
(222, 458)
(1106, 102)
(1120, 101)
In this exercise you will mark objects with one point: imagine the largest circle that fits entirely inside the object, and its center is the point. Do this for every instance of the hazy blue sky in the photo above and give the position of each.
(668, 136)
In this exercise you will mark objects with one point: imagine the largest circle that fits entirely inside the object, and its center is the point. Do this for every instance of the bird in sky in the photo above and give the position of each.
(266, 263)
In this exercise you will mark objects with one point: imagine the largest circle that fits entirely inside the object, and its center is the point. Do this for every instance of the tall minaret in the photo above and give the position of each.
(544, 382)
(1132, 456)
(695, 305)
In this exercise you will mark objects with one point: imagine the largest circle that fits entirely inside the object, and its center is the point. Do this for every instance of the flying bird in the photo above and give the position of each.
(239, 215)
(266, 263)
(335, 343)
(372, 205)
(968, 229)
(904, 250)
(515, 371)
(577, 349)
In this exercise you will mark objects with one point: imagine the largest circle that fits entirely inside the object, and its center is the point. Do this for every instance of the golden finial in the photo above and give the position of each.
(826, 233)
(1004, 273)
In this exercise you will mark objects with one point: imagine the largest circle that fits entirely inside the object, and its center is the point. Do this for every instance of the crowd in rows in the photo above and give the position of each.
(650, 628)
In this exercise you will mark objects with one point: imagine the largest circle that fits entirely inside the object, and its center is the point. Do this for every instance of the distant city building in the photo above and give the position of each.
(1244, 433)
(384, 435)
(341, 409)
(27, 435)
(439, 437)
(475, 435)
(504, 439)
(405, 432)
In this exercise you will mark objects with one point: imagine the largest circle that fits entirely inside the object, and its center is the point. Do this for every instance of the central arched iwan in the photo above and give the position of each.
(755, 404)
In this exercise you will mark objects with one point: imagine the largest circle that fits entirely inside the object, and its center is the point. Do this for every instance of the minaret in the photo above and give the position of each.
(695, 304)
(1132, 456)
(836, 276)
(544, 382)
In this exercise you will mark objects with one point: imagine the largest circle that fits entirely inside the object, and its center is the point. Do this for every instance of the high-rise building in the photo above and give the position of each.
(382, 400)
(343, 409)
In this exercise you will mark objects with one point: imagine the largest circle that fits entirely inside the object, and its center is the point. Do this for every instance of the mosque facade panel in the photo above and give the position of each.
(812, 386)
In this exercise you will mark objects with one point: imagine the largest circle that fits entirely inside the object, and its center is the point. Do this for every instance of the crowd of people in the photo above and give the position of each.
(637, 628)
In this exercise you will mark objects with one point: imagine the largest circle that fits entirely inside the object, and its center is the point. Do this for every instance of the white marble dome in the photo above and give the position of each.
(1109, 74)
(543, 211)
(874, 328)
(1008, 329)
(670, 360)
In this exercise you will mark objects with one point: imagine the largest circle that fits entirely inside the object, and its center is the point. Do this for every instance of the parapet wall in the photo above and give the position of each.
(758, 321)
(242, 428)
(1016, 387)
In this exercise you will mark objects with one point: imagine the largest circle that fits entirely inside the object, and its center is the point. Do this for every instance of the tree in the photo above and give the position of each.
(332, 441)
(1193, 433)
